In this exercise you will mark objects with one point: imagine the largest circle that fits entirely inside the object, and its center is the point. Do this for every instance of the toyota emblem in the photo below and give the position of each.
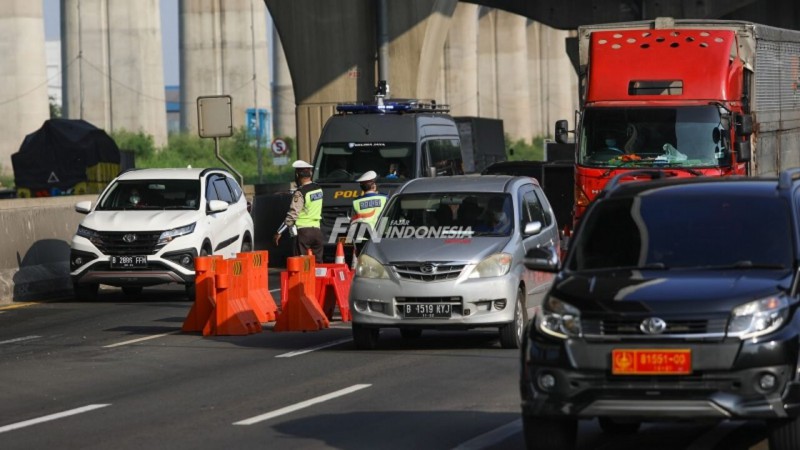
(428, 268)
(129, 238)
(653, 325)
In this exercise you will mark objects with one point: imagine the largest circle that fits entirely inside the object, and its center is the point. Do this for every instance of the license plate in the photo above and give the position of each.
(651, 362)
(128, 262)
(427, 311)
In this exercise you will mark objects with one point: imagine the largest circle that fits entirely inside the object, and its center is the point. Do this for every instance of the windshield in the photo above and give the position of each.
(151, 194)
(337, 163)
(689, 136)
(430, 215)
(681, 231)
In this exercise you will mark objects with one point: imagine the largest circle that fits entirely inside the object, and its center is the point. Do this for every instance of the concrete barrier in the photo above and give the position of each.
(34, 252)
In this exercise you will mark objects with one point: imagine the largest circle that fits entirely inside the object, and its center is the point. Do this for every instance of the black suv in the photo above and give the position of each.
(677, 300)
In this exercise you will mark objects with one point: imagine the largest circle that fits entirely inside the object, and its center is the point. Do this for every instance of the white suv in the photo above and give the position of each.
(149, 224)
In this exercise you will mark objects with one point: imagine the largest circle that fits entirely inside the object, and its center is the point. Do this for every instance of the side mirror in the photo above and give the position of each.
(743, 151)
(432, 172)
(532, 228)
(83, 207)
(543, 259)
(743, 124)
(562, 128)
(215, 206)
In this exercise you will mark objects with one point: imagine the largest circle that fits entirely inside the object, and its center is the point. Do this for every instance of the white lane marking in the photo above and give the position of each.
(311, 349)
(26, 338)
(301, 405)
(55, 416)
(133, 341)
(493, 437)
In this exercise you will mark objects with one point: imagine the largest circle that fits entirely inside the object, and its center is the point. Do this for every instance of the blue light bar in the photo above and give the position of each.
(390, 107)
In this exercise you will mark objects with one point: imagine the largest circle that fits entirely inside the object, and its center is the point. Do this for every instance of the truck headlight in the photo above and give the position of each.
(369, 267)
(559, 319)
(495, 265)
(169, 235)
(758, 317)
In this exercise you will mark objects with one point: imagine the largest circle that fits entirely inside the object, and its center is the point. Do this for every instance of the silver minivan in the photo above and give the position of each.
(448, 254)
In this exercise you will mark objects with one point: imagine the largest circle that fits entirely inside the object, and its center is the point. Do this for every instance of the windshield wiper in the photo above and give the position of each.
(676, 166)
(621, 164)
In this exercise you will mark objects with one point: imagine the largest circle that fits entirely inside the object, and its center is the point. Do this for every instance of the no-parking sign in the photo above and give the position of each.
(279, 147)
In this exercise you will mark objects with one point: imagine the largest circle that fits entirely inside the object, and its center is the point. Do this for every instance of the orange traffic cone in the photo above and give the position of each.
(339, 253)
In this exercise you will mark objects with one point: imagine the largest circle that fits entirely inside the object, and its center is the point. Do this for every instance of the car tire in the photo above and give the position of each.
(611, 426)
(86, 291)
(365, 338)
(511, 333)
(132, 290)
(784, 434)
(549, 434)
(411, 333)
(247, 246)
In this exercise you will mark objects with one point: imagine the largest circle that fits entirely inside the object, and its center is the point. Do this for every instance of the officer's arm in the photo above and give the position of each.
(294, 210)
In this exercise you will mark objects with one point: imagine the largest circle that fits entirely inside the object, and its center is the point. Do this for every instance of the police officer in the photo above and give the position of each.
(369, 205)
(305, 213)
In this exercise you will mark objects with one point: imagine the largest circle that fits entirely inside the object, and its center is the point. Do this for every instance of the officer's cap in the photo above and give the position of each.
(300, 164)
(368, 176)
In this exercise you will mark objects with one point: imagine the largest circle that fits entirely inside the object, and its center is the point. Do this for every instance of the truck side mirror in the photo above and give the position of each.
(743, 124)
(561, 131)
(743, 151)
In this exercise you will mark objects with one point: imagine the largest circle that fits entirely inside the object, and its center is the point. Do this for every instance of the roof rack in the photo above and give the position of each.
(787, 177)
(653, 174)
(393, 106)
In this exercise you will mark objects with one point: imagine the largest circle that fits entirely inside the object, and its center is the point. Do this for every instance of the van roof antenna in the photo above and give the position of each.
(381, 92)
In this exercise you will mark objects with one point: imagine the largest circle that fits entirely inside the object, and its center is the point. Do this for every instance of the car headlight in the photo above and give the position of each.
(369, 267)
(169, 235)
(758, 317)
(90, 234)
(559, 319)
(495, 265)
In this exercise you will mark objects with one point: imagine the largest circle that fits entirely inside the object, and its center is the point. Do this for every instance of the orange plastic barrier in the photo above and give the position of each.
(300, 310)
(258, 295)
(233, 315)
(333, 289)
(204, 293)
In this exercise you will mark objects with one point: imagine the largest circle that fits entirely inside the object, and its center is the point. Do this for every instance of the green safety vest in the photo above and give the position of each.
(368, 207)
(311, 214)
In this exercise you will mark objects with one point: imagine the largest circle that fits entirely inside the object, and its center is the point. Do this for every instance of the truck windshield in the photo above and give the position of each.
(686, 136)
(345, 162)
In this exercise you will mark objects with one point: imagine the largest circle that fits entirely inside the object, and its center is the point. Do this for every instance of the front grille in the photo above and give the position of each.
(630, 327)
(329, 216)
(113, 243)
(428, 271)
(450, 299)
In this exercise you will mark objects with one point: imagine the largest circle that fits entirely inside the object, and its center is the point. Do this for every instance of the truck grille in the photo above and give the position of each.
(114, 243)
(428, 271)
(628, 327)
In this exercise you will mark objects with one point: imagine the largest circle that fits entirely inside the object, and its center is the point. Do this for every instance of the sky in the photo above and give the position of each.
(169, 34)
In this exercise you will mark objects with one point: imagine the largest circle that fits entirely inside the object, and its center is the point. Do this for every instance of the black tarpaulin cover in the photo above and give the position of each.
(58, 154)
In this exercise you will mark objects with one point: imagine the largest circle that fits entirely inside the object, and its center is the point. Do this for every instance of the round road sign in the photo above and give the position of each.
(279, 147)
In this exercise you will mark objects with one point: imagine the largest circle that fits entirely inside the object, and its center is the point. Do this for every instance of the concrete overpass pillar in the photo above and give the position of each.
(23, 74)
(461, 61)
(113, 66)
(487, 69)
(559, 80)
(512, 75)
(538, 125)
(223, 52)
(283, 103)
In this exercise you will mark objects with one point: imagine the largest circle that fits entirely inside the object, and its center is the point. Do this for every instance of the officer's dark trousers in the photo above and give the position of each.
(309, 238)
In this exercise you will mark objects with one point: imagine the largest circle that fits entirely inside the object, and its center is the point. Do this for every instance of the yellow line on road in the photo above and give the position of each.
(18, 305)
